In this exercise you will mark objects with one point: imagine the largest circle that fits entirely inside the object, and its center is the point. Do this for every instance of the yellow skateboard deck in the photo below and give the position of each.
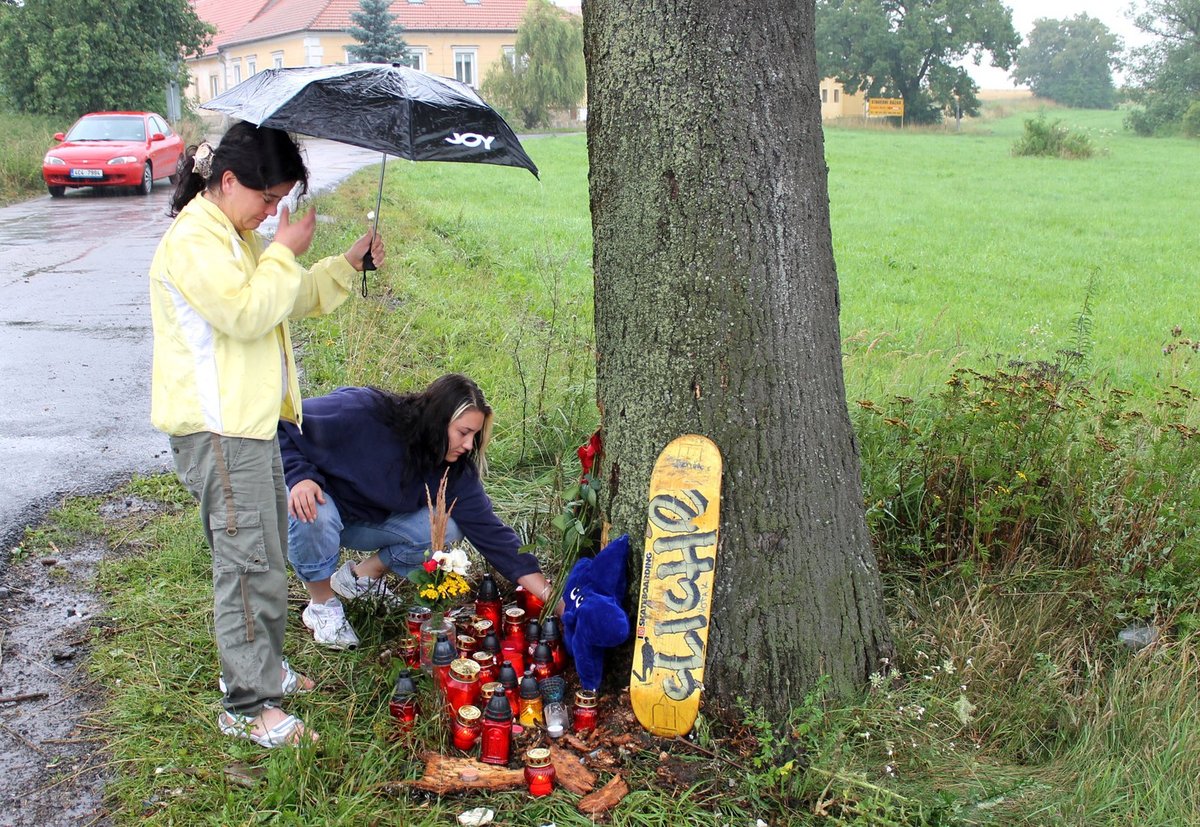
(677, 580)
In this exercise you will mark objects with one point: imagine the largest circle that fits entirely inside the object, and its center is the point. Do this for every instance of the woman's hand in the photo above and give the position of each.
(303, 500)
(537, 585)
(295, 235)
(359, 249)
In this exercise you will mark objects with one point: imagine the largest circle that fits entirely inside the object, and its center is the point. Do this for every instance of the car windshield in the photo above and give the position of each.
(115, 128)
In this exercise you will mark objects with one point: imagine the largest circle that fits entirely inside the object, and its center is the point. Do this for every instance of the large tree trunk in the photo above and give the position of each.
(717, 314)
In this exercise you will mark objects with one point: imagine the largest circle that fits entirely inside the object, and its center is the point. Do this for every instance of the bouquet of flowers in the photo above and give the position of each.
(441, 580)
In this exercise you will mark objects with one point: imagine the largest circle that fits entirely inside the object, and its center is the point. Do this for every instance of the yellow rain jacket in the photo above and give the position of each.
(220, 303)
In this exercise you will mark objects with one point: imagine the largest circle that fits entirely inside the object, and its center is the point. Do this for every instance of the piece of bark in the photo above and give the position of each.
(571, 774)
(574, 743)
(455, 775)
(605, 798)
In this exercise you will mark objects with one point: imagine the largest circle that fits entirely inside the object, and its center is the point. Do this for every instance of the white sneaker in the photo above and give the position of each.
(351, 587)
(329, 625)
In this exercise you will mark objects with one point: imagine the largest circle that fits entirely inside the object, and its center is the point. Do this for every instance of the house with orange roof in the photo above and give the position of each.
(455, 38)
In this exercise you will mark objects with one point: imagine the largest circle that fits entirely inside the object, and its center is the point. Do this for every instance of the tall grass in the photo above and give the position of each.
(26, 139)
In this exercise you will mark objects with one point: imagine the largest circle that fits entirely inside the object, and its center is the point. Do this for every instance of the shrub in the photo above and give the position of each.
(1051, 138)
(1029, 465)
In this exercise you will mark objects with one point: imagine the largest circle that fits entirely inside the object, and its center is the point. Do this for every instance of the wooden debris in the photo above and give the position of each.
(24, 696)
(455, 775)
(572, 775)
(605, 798)
(626, 740)
(574, 743)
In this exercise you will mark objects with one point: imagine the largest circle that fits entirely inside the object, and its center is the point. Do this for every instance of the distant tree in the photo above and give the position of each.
(545, 72)
(1165, 75)
(909, 50)
(1071, 62)
(73, 56)
(380, 37)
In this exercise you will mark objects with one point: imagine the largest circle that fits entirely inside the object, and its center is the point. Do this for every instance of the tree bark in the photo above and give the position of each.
(717, 314)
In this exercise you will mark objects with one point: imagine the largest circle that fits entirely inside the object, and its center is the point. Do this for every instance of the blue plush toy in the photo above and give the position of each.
(593, 619)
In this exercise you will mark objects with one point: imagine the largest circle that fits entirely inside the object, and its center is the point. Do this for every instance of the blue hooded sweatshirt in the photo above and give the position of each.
(348, 449)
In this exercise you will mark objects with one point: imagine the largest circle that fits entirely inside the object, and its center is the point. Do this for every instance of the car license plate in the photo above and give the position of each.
(87, 173)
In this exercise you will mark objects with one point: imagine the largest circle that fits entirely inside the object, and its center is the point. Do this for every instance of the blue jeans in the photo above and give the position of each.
(402, 541)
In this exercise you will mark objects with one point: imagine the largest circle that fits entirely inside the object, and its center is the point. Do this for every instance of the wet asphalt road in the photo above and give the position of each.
(75, 340)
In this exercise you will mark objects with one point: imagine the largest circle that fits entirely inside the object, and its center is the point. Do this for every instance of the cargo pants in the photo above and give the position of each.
(243, 508)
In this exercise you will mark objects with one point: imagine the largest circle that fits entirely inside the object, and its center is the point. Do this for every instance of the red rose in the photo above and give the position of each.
(588, 453)
(430, 566)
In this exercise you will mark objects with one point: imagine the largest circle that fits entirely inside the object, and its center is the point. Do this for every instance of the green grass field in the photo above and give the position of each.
(1009, 702)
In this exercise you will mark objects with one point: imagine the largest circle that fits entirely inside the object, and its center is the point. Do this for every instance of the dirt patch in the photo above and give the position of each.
(52, 755)
(51, 760)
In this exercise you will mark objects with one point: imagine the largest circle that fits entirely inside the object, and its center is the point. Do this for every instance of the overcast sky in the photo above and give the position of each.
(1112, 13)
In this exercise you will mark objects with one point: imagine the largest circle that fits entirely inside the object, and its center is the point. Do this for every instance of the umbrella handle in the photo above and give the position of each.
(369, 260)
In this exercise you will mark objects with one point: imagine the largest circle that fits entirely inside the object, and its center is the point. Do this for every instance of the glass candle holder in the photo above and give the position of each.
(462, 684)
(489, 670)
(466, 727)
(495, 744)
(556, 719)
(529, 712)
(409, 650)
(416, 616)
(487, 600)
(585, 711)
(403, 705)
(539, 772)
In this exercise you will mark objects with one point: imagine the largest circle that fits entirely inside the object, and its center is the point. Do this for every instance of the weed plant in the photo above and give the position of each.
(1052, 139)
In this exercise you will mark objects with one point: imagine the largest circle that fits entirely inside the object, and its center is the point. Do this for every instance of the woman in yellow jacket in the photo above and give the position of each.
(224, 376)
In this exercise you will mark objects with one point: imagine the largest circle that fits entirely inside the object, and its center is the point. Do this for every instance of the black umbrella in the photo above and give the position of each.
(391, 108)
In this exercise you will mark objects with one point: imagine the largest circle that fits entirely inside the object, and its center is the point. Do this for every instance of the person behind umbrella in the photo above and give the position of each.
(223, 377)
(357, 476)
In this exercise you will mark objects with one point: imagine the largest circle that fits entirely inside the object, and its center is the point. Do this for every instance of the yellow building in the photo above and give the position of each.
(455, 38)
(837, 103)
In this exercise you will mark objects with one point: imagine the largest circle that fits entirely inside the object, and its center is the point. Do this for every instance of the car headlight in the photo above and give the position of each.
(52, 161)
(124, 159)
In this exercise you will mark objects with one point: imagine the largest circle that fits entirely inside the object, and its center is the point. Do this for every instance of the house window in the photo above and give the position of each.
(837, 95)
(237, 70)
(313, 53)
(472, 2)
(214, 86)
(510, 54)
(252, 65)
(824, 96)
(415, 58)
(277, 60)
(464, 65)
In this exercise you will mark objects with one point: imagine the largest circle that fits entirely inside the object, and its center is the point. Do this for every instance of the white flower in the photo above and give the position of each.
(454, 560)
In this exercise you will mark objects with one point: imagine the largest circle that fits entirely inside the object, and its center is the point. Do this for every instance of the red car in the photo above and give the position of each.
(113, 149)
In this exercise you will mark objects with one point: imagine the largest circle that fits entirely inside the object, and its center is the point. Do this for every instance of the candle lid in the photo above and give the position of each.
(491, 688)
(484, 658)
(585, 698)
(514, 614)
(538, 757)
(464, 669)
(468, 714)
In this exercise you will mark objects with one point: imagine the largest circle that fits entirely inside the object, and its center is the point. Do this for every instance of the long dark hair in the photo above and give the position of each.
(422, 420)
(259, 157)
